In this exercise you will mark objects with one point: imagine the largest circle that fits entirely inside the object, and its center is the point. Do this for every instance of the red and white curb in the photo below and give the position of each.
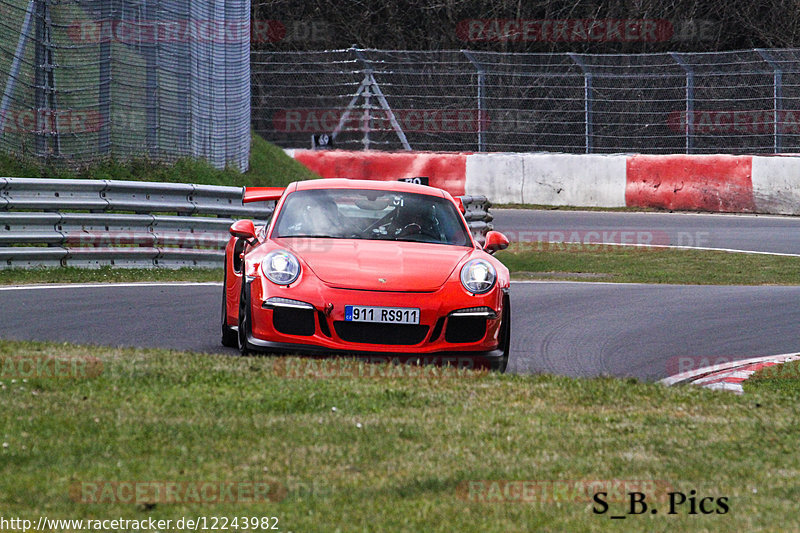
(728, 376)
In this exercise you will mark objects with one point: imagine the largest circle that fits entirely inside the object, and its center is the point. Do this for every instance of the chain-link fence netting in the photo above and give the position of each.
(88, 79)
(732, 102)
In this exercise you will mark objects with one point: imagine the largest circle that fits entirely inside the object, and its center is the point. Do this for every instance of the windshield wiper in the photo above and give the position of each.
(401, 239)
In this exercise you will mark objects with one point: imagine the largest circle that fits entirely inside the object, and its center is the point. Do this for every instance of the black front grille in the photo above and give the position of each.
(462, 329)
(293, 321)
(390, 334)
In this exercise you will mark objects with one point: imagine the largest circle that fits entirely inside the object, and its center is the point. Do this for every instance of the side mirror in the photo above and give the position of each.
(244, 229)
(495, 241)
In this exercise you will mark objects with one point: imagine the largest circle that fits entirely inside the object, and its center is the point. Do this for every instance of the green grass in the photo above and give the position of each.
(155, 415)
(105, 274)
(648, 265)
(269, 166)
(780, 380)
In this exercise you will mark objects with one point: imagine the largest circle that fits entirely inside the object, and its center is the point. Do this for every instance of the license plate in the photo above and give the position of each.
(381, 315)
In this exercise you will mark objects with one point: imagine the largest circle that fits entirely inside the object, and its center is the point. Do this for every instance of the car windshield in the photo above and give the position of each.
(372, 215)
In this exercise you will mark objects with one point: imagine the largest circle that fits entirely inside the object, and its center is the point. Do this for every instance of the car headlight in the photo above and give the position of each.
(280, 267)
(478, 276)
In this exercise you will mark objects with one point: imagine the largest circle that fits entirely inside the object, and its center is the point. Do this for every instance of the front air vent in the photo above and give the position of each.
(389, 334)
(462, 329)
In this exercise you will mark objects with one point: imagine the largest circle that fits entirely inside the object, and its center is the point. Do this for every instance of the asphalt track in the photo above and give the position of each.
(756, 233)
(575, 329)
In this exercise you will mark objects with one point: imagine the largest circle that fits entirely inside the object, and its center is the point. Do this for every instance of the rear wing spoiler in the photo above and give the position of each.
(262, 194)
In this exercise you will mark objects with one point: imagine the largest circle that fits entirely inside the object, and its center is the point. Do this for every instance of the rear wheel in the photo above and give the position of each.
(505, 337)
(229, 336)
(244, 316)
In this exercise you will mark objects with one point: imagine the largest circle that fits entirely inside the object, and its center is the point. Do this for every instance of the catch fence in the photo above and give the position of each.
(731, 102)
(83, 80)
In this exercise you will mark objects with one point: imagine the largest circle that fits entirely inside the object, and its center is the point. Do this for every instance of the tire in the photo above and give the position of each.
(505, 337)
(229, 336)
(244, 317)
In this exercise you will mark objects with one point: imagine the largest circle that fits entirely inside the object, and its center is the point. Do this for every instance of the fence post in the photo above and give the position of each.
(481, 86)
(689, 126)
(104, 80)
(370, 83)
(777, 99)
(42, 76)
(13, 75)
(587, 100)
(366, 118)
(150, 53)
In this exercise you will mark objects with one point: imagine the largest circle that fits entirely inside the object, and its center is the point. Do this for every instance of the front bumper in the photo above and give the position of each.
(315, 324)
(489, 359)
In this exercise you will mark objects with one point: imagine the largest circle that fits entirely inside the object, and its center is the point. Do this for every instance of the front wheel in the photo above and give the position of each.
(505, 337)
(244, 317)
(229, 335)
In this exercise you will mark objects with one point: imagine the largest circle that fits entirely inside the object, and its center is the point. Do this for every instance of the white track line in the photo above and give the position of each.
(676, 247)
(656, 213)
(58, 286)
(614, 283)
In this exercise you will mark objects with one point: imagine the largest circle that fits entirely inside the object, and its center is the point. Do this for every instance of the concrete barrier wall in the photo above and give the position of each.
(569, 179)
(717, 183)
(776, 185)
(499, 177)
(690, 183)
(445, 170)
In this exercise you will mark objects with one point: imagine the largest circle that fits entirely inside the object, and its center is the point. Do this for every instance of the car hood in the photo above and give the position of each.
(362, 264)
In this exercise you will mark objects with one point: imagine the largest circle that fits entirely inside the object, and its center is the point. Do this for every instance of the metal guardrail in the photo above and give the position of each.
(90, 223)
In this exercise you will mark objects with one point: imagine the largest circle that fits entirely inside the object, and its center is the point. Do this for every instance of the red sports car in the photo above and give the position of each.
(350, 267)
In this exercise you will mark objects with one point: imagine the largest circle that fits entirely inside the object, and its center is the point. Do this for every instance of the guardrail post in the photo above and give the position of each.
(689, 125)
(777, 99)
(587, 101)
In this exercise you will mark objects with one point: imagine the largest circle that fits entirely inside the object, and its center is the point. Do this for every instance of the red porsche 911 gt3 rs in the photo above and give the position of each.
(350, 267)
